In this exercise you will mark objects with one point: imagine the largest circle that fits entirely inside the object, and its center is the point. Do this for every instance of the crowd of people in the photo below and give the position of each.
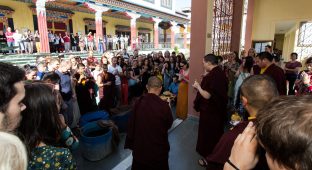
(49, 97)
(88, 42)
(26, 42)
(252, 85)
(40, 103)
(255, 86)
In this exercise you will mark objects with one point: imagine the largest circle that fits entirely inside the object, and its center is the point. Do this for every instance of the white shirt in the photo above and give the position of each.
(115, 40)
(17, 37)
(95, 74)
(115, 71)
(122, 40)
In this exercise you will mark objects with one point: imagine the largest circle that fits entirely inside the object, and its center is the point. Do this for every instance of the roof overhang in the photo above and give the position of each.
(146, 12)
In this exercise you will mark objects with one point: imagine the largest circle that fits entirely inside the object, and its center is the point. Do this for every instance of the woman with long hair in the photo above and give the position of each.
(41, 128)
(104, 59)
(134, 81)
(242, 74)
(182, 105)
(146, 64)
(167, 73)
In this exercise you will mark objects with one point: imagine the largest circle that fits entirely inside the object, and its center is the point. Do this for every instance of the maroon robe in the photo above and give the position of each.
(148, 133)
(278, 76)
(256, 69)
(222, 151)
(212, 111)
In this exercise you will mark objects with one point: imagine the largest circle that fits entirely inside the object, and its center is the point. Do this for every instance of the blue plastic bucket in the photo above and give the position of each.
(95, 142)
(93, 116)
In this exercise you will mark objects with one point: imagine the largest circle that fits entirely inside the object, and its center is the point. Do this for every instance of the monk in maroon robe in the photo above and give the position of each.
(147, 134)
(275, 72)
(253, 99)
(256, 69)
(211, 102)
(278, 75)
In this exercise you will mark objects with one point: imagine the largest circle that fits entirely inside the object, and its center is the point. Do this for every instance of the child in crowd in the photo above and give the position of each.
(174, 86)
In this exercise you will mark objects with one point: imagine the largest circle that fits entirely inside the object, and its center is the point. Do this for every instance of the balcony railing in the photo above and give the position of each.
(164, 45)
(146, 46)
(150, 46)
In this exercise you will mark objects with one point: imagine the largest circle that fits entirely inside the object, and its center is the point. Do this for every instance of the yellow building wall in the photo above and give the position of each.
(112, 22)
(279, 41)
(78, 23)
(22, 15)
(268, 12)
(289, 43)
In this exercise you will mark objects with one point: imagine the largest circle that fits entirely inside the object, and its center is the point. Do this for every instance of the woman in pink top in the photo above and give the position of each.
(9, 38)
(90, 41)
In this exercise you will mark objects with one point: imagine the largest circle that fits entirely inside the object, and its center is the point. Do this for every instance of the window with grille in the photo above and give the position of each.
(304, 43)
(222, 26)
(305, 35)
(166, 4)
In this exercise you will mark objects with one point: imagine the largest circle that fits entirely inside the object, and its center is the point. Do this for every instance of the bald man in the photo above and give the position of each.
(148, 129)
(253, 99)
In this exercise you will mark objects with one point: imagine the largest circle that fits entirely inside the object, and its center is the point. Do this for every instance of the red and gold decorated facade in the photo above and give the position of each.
(103, 17)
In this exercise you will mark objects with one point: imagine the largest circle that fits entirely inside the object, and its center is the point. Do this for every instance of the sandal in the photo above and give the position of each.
(202, 162)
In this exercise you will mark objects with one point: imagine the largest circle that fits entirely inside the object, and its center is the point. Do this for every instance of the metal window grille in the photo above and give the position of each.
(304, 43)
(222, 26)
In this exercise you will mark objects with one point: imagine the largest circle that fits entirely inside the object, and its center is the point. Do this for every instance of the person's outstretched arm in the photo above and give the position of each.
(243, 154)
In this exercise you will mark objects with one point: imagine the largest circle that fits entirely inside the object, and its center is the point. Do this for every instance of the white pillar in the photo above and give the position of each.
(185, 36)
(98, 18)
(173, 30)
(156, 32)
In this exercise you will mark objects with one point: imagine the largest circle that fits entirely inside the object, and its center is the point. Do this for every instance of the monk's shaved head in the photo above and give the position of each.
(258, 90)
(154, 82)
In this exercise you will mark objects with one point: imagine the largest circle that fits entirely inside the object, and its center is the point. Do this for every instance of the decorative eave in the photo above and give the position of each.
(2, 7)
(143, 10)
(144, 30)
(6, 10)
(121, 5)
(54, 14)
(91, 21)
(61, 10)
(118, 15)
(146, 20)
(122, 28)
